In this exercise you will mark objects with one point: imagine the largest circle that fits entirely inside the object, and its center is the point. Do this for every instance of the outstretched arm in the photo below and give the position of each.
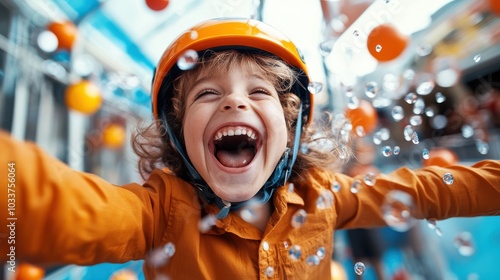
(475, 191)
(58, 215)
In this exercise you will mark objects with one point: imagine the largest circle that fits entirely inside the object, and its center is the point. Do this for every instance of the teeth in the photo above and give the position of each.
(235, 130)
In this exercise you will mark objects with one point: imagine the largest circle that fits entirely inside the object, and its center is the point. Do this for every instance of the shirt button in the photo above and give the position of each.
(269, 271)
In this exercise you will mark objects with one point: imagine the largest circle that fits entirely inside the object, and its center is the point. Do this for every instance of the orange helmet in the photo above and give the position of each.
(239, 34)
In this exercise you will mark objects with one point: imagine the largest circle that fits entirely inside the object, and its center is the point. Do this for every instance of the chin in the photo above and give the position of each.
(237, 193)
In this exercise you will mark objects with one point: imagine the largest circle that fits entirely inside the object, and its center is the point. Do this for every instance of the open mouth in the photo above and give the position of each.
(235, 146)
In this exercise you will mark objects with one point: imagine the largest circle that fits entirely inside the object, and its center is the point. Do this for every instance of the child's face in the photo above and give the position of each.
(246, 105)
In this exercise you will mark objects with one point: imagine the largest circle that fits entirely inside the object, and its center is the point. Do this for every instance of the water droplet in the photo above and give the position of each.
(439, 122)
(438, 231)
(371, 89)
(315, 87)
(325, 200)
(432, 223)
(160, 257)
(356, 186)
(47, 41)
(359, 268)
(448, 178)
(396, 150)
(206, 223)
(411, 98)
(477, 58)
(193, 35)
(286, 244)
(355, 33)
(353, 102)
(252, 211)
(295, 252)
(370, 179)
(387, 151)
(397, 210)
(313, 260)
(299, 218)
(419, 106)
(187, 60)
(360, 131)
(325, 48)
(409, 74)
(335, 186)
(408, 132)
(343, 152)
(425, 87)
(416, 120)
(429, 112)
(269, 271)
(467, 131)
(397, 113)
(345, 136)
(482, 147)
(377, 138)
(169, 249)
(414, 138)
(423, 50)
(440, 97)
(378, 48)
(425, 154)
(463, 242)
(338, 23)
(321, 253)
(447, 77)
(390, 82)
(385, 133)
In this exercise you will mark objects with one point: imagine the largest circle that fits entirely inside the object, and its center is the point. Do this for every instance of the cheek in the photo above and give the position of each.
(193, 127)
(277, 124)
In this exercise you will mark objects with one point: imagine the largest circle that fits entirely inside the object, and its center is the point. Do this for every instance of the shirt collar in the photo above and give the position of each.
(283, 196)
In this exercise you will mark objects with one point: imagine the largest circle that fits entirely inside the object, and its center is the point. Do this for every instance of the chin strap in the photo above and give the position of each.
(278, 178)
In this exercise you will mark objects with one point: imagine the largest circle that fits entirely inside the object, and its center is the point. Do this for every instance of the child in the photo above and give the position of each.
(233, 141)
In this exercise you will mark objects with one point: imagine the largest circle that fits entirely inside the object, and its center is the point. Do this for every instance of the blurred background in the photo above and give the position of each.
(419, 81)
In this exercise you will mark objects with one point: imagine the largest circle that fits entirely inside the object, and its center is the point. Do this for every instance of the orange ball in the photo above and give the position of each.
(441, 157)
(114, 136)
(84, 97)
(124, 274)
(386, 43)
(66, 33)
(495, 7)
(27, 271)
(364, 115)
(157, 5)
(337, 271)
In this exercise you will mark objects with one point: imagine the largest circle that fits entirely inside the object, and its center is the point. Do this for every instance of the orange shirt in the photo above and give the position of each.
(63, 216)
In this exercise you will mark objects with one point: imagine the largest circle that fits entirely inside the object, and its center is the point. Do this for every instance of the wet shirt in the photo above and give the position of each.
(65, 216)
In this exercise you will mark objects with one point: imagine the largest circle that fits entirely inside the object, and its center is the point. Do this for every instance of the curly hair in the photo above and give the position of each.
(324, 143)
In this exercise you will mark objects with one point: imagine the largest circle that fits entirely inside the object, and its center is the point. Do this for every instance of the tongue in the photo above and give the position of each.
(235, 158)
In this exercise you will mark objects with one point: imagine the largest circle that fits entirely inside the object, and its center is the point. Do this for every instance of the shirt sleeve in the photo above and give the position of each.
(475, 191)
(56, 215)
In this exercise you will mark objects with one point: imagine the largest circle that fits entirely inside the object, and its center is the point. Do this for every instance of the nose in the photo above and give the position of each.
(234, 101)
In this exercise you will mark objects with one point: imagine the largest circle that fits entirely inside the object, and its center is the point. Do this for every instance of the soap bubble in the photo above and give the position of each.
(299, 218)
(359, 268)
(397, 210)
(188, 60)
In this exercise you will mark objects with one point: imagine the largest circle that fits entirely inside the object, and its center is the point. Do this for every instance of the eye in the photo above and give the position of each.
(205, 93)
(260, 91)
